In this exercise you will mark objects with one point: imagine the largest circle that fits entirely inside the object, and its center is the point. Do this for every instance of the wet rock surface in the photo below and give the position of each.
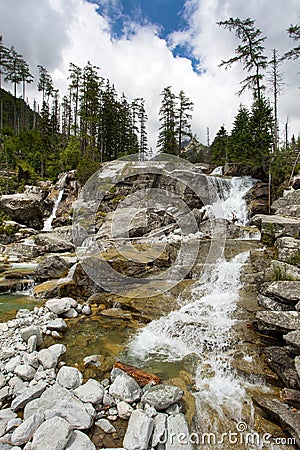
(279, 296)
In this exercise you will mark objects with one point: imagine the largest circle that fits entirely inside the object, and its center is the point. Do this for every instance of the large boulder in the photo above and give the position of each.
(274, 227)
(162, 396)
(288, 249)
(283, 291)
(53, 267)
(286, 203)
(139, 431)
(27, 209)
(257, 199)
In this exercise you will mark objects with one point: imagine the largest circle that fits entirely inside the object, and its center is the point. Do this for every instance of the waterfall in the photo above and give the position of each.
(231, 201)
(203, 327)
(61, 186)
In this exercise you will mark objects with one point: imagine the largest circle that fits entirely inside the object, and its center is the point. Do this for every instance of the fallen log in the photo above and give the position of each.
(141, 377)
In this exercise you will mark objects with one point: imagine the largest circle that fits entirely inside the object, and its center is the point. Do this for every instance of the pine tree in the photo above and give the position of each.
(45, 84)
(261, 128)
(240, 142)
(183, 128)
(167, 142)
(219, 147)
(294, 33)
(250, 53)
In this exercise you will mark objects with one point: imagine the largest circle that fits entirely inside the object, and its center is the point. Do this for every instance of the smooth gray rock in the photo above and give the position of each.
(53, 434)
(79, 441)
(53, 267)
(12, 363)
(57, 324)
(27, 429)
(69, 377)
(30, 393)
(124, 410)
(49, 398)
(13, 423)
(4, 393)
(71, 313)
(125, 388)
(78, 414)
(162, 396)
(90, 392)
(139, 430)
(25, 371)
(106, 426)
(160, 429)
(177, 428)
(32, 330)
(59, 305)
(92, 360)
(32, 343)
(5, 416)
(48, 357)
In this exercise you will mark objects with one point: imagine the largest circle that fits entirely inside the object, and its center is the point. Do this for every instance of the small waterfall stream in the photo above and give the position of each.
(49, 220)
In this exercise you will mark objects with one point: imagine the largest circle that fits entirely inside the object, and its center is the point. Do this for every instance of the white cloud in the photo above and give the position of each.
(56, 32)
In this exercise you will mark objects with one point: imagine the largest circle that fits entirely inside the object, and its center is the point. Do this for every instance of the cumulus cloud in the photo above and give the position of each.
(141, 63)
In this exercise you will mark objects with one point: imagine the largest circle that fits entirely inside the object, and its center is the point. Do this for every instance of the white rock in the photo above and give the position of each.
(13, 363)
(13, 423)
(57, 324)
(26, 430)
(90, 392)
(30, 331)
(79, 441)
(74, 411)
(69, 377)
(124, 410)
(92, 360)
(58, 305)
(53, 434)
(47, 358)
(160, 429)
(139, 431)
(105, 425)
(125, 388)
(176, 426)
(25, 371)
(29, 393)
(32, 343)
(4, 393)
(71, 313)
(2, 380)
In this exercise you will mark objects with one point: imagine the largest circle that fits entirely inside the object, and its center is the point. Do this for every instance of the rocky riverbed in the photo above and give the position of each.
(278, 283)
(92, 404)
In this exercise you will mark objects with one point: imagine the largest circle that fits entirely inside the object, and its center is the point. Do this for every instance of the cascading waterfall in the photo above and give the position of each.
(203, 326)
(231, 193)
(61, 186)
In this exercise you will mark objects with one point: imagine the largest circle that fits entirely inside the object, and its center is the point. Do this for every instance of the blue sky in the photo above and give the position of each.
(167, 15)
